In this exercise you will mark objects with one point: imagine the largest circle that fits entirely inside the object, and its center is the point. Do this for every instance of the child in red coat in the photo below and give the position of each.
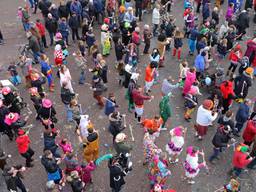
(234, 57)
(41, 30)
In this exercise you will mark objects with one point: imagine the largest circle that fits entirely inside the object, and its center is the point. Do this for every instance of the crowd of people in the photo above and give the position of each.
(212, 37)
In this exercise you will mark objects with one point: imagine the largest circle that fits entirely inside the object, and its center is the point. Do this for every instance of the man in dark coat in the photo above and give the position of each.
(33, 44)
(74, 25)
(220, 141)
(138, 8)
(51, 25)
(242, 115)
(242, 23)
(115, 124)
(44, 6)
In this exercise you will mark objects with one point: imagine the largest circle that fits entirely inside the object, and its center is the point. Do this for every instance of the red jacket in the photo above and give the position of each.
(23, 143)
(40, 28)
(139, 98)
(240, 159)
(250, 131)
(235, 55)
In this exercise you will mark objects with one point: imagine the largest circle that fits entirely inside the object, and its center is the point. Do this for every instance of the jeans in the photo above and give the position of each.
(146, 48)
(216, 152)
(138, 12)
(82, 77)
(192, 45)
(239, 126)
(20, 184)
(32, 3)
(155, 29)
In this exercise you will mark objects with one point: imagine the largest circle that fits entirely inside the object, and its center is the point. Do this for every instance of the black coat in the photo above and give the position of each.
(38, 84)
(77, 185)
(66, 96)
(117, 175)
(119, 49)
(242, 84)
(44, 6)
(46, 113)
(115, 125)
(243, 21)
(33, 44)
(50, 165)
(51, 25)
(220, 139)
(73, 22)
(63, 11)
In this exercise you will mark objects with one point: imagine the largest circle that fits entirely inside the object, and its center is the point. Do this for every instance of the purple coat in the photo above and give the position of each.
(229, 13)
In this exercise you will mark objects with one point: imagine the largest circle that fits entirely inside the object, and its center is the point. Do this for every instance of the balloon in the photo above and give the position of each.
(208, 81)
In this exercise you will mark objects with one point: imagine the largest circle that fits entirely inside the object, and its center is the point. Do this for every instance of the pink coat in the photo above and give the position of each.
(190, 79)
(86, 172)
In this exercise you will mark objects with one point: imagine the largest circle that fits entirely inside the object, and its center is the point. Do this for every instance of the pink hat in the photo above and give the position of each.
(58, 36)
(190, 150)
(6, 90)
(11, 118)
(33, 90)
(46, 103)
(177, 131)
(107, 20)
(193, 90)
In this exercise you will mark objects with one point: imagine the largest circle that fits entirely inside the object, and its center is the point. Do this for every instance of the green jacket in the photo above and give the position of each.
(165, 108)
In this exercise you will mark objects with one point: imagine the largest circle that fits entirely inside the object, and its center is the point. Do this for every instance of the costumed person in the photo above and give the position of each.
(243, 82)
(23, 144)
(241, 158)
(120, 145)
(178, 43)
(14, 122)
(105, 37)
(131, 86)
(190, 79)
(190, 103)
(98, 88)
(226, 88)
(149, 76)
(86, 170)
(91, 145)
(183, 73)
(165, 109)
(192, 165)
(58, 55)
(118, 172)
(71, 163)
(139, 99)
(46, 69)
(176, 143)
(232, 186)
(150, 148)
(47, 114)
(220, 141)
(154, 125)
(158, 172)
(66, 77)
(115, 124)
(205, 117)
(66, 146)
(36, 100)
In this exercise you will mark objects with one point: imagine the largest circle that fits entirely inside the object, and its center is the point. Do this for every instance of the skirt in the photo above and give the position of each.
(201, 130)
(139, 110)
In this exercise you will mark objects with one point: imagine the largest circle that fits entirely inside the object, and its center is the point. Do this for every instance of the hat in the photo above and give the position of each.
(6, 90)
(46, 103)
(122, 9)
(177, 131)
(21, 132)
(208, 104)
(135, 76)
(58, 36)
(33, 90)
(120, 137)
(249, 70)
(11, 118)
(49, 15)
(244, 149)
(106, 20)
(74, 174)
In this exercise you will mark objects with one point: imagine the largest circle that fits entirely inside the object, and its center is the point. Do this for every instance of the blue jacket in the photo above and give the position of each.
(199, 63)
(76, 7)
(242, 113)
(98, 6)
(109, 107)
(45, 68)
(63, 29)
(194, 34)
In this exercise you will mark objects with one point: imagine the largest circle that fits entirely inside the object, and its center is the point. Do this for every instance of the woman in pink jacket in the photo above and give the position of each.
(190, 79)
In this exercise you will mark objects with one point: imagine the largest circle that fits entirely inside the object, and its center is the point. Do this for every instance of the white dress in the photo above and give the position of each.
(175, 145)
(66, 77)
(191, 166)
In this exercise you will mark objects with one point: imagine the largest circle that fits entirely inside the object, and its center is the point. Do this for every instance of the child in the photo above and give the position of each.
(58, 55)
(81, 47)
(178, 43)
(36, 100)
(15, 78)
(66, 146)
(46, 69)
(103, 71)
(234, 57)
(183, 71)
(86, 172)
(190, 103)
(81, 63)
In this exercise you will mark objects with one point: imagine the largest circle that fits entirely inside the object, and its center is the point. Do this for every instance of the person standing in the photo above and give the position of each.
(156, 19)
(226, 88)
(165, 109)
(63, 29)
(33, 44)
(66, 77)
(41, 30)
(149, 76)
(46, 69)
(138, 8)
(190, 79)
(147, 35)
(73, 23)
(23, 144)
(205, 117)
(242, 115)
(98, 88)
(51, 25)
(139, 99)
(121, 145)
(249, 134)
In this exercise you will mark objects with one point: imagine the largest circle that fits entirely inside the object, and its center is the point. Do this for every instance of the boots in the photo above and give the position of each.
(179, 54)
(227, 73)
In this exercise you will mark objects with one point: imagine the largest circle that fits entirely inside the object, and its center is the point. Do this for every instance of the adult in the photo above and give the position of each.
(156, 18)
(165, 109)
(23, 144)
(121, 145)
(34, 45)
(51, 25)
(44, 6)
(167, 86)
(76, 7)
(131, 86)
(190, 79)
(226, 120)
(115, 124)
(63, 29)
(242, 115)
(249, 134)
(200, 64)
(74, 24)
(66, 77)
(98, 88)
(242, 22)
(205, 117)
